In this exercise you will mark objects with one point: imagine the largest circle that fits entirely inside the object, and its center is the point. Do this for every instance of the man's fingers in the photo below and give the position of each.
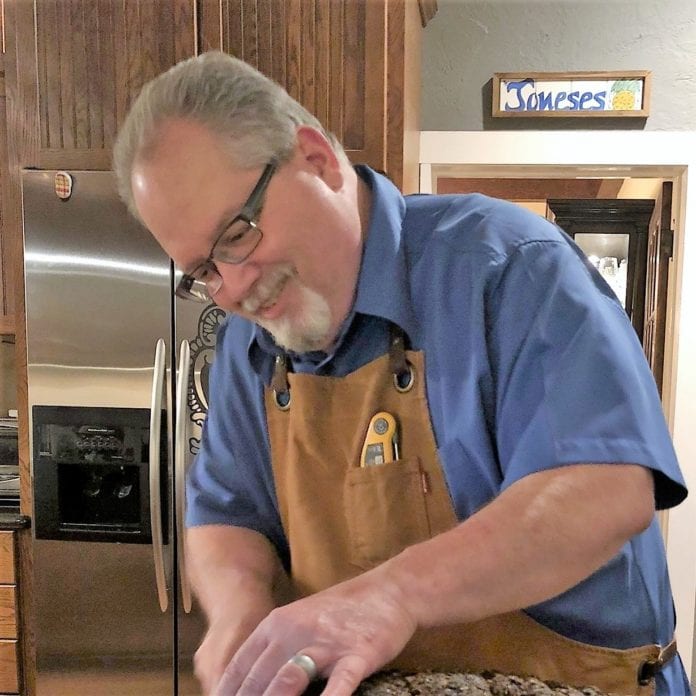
(240, 668)
(208, 668)
(294, 675)
(272, 673)
(346, 676)
(271, 664)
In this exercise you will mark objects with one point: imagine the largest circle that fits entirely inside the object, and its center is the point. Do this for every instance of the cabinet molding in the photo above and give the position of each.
(428, 9)
(9, 261)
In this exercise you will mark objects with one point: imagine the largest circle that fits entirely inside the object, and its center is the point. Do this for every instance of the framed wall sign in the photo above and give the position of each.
(625, 93)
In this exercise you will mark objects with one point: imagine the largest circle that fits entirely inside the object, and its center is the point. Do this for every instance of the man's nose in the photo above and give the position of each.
(237, 281)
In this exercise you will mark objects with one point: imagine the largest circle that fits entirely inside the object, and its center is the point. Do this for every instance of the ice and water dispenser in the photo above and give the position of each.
(91, 473)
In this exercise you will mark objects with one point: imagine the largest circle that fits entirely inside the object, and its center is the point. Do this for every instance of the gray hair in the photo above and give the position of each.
(254, 116)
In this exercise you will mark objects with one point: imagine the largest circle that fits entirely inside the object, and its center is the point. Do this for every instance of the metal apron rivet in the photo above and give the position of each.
(404, 381)
(282, 399)
(647, 671)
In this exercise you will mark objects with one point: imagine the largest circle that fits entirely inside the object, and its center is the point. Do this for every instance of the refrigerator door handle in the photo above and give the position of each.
(155, 483)
(180, 468)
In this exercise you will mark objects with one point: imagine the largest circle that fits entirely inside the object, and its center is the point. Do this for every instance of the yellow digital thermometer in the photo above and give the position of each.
(381, 444)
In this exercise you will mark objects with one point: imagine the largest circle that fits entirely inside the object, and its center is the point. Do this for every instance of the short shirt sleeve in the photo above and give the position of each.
(572, 383)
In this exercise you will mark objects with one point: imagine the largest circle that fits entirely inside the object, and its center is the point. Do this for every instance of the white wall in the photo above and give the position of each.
(469, 40)
(631, 154)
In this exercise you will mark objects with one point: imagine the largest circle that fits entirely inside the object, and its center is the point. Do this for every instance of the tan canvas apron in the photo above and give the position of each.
(341, 519)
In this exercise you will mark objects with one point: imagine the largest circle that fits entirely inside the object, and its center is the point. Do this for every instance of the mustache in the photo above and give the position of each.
(267, 287)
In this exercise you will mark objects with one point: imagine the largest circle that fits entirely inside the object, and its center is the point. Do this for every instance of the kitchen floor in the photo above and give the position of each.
(97, 683)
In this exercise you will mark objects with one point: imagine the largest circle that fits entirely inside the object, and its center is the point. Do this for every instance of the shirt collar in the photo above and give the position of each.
(383, 283)
(383, 288)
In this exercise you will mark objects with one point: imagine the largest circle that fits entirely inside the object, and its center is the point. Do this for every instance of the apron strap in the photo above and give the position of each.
(279, 383)
(649, 669)
(403, 371)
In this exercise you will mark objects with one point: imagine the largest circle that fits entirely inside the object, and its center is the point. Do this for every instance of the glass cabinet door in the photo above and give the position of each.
(609, 255)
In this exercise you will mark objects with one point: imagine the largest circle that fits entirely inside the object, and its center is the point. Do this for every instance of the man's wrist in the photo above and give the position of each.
(403, 583)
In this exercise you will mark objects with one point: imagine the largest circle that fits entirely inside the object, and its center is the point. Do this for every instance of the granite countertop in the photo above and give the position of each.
(11, 520)
(394, 683)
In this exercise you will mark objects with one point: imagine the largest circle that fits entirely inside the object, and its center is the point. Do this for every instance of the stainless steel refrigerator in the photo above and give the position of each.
(117, 373)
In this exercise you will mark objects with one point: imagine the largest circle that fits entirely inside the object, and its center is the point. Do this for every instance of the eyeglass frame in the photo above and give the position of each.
(250, 212)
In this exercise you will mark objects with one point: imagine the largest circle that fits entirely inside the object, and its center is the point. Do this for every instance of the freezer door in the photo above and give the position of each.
(99, 628)
(98, 299)
(196, 327)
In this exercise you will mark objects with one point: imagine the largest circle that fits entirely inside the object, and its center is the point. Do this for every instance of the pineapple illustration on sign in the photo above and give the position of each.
(624, 93)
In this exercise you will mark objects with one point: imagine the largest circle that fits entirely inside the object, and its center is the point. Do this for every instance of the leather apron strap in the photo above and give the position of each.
(341, 518)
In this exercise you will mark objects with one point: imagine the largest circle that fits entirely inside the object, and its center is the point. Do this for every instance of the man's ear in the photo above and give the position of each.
(318, 155)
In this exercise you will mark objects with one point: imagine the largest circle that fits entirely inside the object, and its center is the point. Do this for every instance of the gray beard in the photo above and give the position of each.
(308, 332)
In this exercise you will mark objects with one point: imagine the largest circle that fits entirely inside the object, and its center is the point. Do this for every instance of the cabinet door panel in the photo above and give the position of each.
(8, 667)
(92, 58)
(8, 612)
(328, 54)
(7, 558)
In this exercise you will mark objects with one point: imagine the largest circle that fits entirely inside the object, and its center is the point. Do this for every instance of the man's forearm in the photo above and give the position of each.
(230, 567)
(540, 537)
(235, 573)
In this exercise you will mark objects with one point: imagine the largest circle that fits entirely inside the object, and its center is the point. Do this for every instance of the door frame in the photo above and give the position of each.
(609, 154)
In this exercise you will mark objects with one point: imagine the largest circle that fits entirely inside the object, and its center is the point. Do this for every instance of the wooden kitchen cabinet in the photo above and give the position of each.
(9, 681)
(7, 559)
(354, 64)
(9, 666)
(8, 613)
(79, 65)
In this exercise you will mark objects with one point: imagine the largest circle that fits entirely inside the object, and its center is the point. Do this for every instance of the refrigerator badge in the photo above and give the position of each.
(63, 185)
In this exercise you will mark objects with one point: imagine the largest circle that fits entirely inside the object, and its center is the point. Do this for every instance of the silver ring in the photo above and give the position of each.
(306, 664)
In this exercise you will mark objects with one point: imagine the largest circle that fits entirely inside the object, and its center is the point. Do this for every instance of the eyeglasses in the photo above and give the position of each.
(235, 244)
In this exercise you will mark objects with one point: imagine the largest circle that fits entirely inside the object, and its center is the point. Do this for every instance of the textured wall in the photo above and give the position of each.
(469, 40)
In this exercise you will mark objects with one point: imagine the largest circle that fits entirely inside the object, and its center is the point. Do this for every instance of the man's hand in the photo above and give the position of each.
(238, 580)
(349, 631)
(211, 658)
(222, 640)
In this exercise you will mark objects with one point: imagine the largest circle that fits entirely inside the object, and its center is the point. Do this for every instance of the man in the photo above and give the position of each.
(429, 414)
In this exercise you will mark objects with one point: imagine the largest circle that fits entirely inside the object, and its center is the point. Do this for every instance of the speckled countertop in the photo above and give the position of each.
(462, 684)
(11, 520)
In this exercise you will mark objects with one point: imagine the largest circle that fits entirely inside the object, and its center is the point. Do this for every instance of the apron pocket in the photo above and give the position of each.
(385, 510)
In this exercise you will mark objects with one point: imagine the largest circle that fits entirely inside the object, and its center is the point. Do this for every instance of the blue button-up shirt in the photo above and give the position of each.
(531, 364)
